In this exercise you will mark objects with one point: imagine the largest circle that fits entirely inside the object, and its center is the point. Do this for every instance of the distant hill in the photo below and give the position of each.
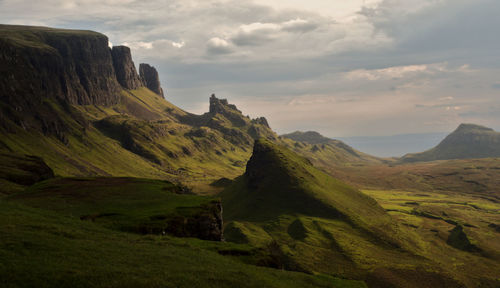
(325, 152)
(310, 137)
(466, 142)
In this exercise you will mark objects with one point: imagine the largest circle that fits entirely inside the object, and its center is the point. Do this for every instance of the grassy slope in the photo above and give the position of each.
(474, 176)
(433, 215)
(18, 171)
(27, 36)
(319, 223)
(45, 244)
(325, 152)
(152, 122)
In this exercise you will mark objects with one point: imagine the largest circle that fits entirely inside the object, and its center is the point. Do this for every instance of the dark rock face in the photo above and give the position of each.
(206, 224)
(39, 62)
(150, 77)
(124, 68)
(220, 106)
(261, 121)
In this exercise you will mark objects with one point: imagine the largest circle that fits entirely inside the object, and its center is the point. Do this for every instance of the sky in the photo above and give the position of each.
(342, 68)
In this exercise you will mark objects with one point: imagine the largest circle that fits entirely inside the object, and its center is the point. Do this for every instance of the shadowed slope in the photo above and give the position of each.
(279, 181)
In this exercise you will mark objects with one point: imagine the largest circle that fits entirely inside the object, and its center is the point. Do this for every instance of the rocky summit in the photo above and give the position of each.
(124, 68)
(150, 77)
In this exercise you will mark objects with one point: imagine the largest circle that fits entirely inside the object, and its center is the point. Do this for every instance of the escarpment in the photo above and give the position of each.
(150, 77)
(38, 62)
(124, 68)
(75, 66)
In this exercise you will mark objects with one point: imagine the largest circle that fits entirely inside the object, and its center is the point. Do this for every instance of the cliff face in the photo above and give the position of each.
(151, 79)
(38, 62)
(124, 68)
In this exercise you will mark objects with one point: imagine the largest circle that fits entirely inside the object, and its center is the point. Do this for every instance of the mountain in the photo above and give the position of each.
(66, 97)
(314, 223)
(325, 152)
(310, 137)
(466, 142)
(104, 182)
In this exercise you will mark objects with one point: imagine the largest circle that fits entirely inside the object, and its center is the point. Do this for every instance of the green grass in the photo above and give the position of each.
(431, 217)
(117, 203)
(45, 244)
(143, 137)
(320, 224)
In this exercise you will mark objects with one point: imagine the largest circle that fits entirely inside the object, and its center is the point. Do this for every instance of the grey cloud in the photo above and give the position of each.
(302, 55)
(218, 46)
(299, 26)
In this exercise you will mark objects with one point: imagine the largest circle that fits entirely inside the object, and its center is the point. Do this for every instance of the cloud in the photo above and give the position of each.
(262, 33)
(298, 25)
(178, 44)
(349, 67)
(217, 46)
(255, 34)
(139, 45)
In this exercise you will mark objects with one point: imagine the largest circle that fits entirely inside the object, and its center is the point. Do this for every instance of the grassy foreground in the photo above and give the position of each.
(45, 244)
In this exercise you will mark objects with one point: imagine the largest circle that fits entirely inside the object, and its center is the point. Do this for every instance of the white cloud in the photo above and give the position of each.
(298, 25)
(139, 45)
(178, 44)
(355, 67)
(218, 45)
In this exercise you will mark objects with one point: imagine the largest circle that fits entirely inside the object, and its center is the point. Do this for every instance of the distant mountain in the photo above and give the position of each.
(323, 151)
(310, 137)
(467, 141)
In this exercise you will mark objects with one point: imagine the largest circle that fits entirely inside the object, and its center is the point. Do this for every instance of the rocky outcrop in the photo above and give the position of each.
(150, 77)
(124, 68)
(204, 222)
(220, 106)
(206, 225)
(261, 121)
(39, 62)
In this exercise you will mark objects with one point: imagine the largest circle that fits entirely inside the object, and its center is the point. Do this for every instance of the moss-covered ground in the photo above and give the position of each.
(45, 243)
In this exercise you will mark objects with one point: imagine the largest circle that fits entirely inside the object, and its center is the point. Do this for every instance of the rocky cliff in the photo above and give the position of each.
(150, 77)
(38, 62)
(124, 68)
(207, 224)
